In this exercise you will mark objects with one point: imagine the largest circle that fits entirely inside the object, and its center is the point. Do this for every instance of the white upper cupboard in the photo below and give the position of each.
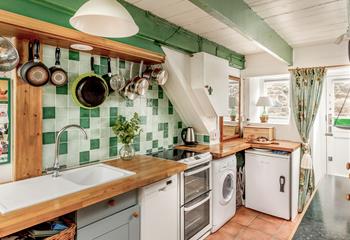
(209, 81)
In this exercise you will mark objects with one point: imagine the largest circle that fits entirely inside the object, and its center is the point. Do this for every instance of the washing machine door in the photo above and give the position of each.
(227, 182)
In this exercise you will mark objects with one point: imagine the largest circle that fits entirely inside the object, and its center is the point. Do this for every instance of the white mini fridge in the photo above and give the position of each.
(272, 182)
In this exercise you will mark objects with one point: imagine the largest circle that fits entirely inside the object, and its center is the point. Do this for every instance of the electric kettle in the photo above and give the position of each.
(188, 136)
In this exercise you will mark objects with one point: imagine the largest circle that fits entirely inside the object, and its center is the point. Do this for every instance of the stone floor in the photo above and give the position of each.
(251, 225)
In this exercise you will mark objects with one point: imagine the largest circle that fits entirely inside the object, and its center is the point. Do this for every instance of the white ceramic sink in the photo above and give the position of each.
(25, 193)
(95, 175)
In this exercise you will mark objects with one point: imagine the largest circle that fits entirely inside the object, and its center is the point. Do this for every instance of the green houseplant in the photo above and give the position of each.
(126, 131)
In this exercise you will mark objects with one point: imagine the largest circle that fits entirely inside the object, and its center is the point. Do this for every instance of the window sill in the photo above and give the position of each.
(270, 122)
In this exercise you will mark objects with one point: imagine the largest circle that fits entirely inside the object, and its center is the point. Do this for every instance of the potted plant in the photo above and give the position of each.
(126, 131)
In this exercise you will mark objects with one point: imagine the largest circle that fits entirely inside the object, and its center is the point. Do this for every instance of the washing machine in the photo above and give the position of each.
(224, 190)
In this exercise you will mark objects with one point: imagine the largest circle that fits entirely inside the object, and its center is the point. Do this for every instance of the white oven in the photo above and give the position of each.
(195, 197)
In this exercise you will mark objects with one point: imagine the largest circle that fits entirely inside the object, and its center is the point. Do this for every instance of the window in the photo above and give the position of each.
(278, 90)
(233, 98)
(339, 103)
(277, 87)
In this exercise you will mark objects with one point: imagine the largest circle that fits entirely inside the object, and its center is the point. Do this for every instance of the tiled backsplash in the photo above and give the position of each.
(161, 125)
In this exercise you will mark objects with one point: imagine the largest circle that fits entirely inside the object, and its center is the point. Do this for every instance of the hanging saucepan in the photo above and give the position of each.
(117, 80)
(107, 77)
(35, 72)
(160, 75)
(21, 72)
(9, 57)
(59, 76)
(141, 83)
(89, 90)
(129, 90)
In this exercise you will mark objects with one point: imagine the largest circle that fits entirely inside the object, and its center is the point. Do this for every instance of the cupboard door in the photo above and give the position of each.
(124, 225)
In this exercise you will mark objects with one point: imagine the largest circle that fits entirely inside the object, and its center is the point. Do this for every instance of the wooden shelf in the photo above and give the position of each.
(22, 27)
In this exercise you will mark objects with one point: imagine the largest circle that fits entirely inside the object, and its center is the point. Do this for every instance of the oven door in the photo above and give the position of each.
(195, 182)
(196, 218)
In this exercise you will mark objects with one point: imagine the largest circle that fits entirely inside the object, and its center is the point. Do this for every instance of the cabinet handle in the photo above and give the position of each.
(348, 166)
(135, 214)
(348, 197)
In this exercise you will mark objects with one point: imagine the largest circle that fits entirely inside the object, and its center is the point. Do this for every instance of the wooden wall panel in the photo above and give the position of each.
(27, 156)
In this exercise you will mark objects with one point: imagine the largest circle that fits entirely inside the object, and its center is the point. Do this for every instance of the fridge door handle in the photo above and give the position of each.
(282, 183)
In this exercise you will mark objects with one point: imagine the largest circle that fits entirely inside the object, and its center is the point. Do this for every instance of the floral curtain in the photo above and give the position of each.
(306, 94)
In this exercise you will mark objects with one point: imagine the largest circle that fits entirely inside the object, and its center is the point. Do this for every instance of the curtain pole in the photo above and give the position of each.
(328, 66)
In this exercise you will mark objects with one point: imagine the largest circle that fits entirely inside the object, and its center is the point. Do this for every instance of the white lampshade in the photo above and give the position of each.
(264, 101)
(104, 18)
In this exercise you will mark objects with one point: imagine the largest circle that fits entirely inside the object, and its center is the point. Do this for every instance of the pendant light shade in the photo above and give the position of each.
(104, 18)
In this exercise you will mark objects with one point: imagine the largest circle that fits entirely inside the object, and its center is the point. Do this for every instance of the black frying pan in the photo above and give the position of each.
(89, 90)
(35, 72)
(59, 76)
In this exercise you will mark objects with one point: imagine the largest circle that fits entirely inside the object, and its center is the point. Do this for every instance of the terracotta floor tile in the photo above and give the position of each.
(252, 234)
(232, 228)
(244, 216)
(265, 226)
(220, 235)
(272, 219)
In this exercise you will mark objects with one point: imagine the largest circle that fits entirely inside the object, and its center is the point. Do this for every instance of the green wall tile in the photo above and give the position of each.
(112, 121)
(63, 90)
(84, 113)
(48, 137)
(113, 111)
(74, 55)
(179, 124)
(175, 140)
(104, 61)
(49, 112)
(155, 102)
(154, 111)
(94, 144)
(149, 136)
(206, 138)
(170, 110)
(63, 148)
(95, 112)
(113, 151)
(149, 102)
(64, 136)
(113, 141)
(160, 126)
(154, 143)
(84, 157)
(97, 69)
(85, 122)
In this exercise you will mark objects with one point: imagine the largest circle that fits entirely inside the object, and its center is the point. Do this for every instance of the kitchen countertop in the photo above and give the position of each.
(233, 146)
(328, 214)
(148, 170)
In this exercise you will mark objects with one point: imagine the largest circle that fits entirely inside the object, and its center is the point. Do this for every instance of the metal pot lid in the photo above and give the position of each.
(9, 57)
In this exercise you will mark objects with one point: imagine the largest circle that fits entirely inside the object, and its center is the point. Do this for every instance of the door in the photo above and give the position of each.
(338, 130)
(124, 225)
(268, 183)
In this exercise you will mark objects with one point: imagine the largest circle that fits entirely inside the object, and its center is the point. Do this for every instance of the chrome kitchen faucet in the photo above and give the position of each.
(56, 164)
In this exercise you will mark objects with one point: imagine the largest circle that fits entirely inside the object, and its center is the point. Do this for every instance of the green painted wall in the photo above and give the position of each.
(154, 31)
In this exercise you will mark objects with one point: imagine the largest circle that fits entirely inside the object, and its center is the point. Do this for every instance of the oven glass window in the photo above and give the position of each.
(196, 182)
(196, 220)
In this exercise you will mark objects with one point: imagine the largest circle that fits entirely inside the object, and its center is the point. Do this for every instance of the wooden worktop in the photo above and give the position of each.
(148, 170)
(231, 147)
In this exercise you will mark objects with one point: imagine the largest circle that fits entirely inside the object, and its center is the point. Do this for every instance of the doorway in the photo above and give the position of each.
(338, 121)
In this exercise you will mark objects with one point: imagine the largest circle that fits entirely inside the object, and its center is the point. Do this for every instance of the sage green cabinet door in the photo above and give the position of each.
(124, 225)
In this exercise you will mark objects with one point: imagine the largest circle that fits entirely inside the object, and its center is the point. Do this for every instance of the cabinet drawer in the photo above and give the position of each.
(124, 225)
(105, 208)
